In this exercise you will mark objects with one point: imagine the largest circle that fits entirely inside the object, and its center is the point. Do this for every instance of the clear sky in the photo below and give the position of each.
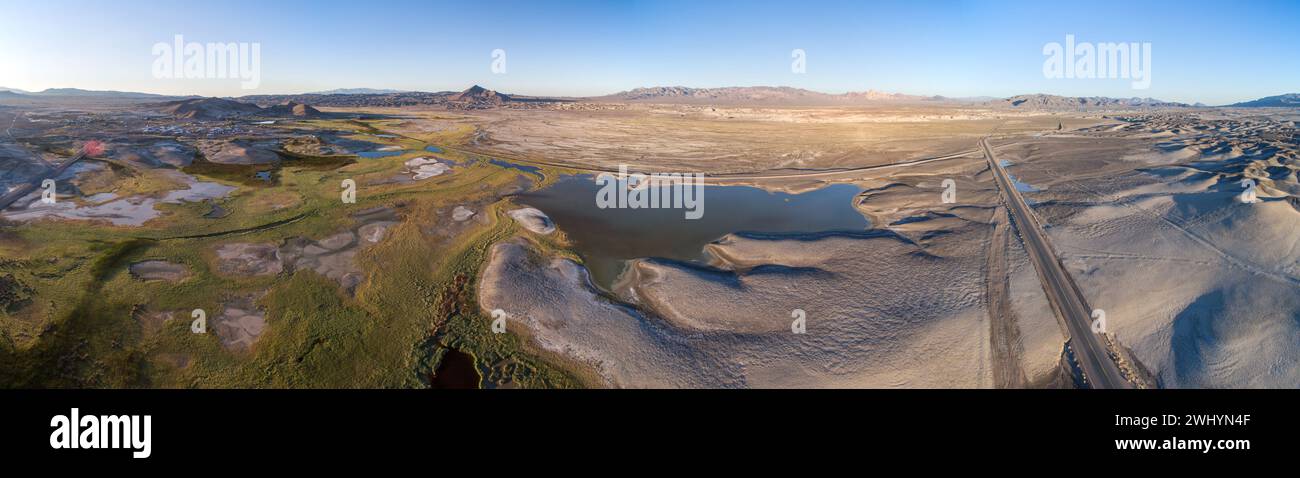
(1211, 52)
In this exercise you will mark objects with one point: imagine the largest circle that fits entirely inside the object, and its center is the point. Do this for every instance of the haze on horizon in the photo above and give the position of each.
(1202, 52)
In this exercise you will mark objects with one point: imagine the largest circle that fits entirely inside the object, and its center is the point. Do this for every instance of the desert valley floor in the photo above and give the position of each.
(882, 224)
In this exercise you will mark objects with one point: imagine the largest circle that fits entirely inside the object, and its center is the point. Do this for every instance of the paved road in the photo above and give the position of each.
(1089, 351)
(10, 130)
(25, 189)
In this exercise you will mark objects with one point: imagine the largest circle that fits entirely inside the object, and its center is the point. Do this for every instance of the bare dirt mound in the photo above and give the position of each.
(249, 259)
(293, 109)
(333, 256)
(159, 270)
(240, 323)
(479, 94)
(156, 154)
(239, 151)
(209, 109)
(533, 219)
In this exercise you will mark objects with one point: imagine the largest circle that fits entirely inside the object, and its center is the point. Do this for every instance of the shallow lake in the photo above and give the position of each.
(456, 371)
(516, 166)
(605, 238)
(1019, 185)
(379, 154)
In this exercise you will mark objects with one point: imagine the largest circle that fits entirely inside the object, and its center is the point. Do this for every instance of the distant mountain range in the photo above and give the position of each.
(356, 91)
(1291, 100)
(762, 95)
(83, 93)
(474, 97)
(1064, 103)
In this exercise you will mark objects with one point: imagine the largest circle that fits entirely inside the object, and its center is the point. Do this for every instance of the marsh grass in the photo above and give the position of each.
(84, 327)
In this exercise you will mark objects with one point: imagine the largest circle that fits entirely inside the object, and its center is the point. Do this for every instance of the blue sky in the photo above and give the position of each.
(1212, 52)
